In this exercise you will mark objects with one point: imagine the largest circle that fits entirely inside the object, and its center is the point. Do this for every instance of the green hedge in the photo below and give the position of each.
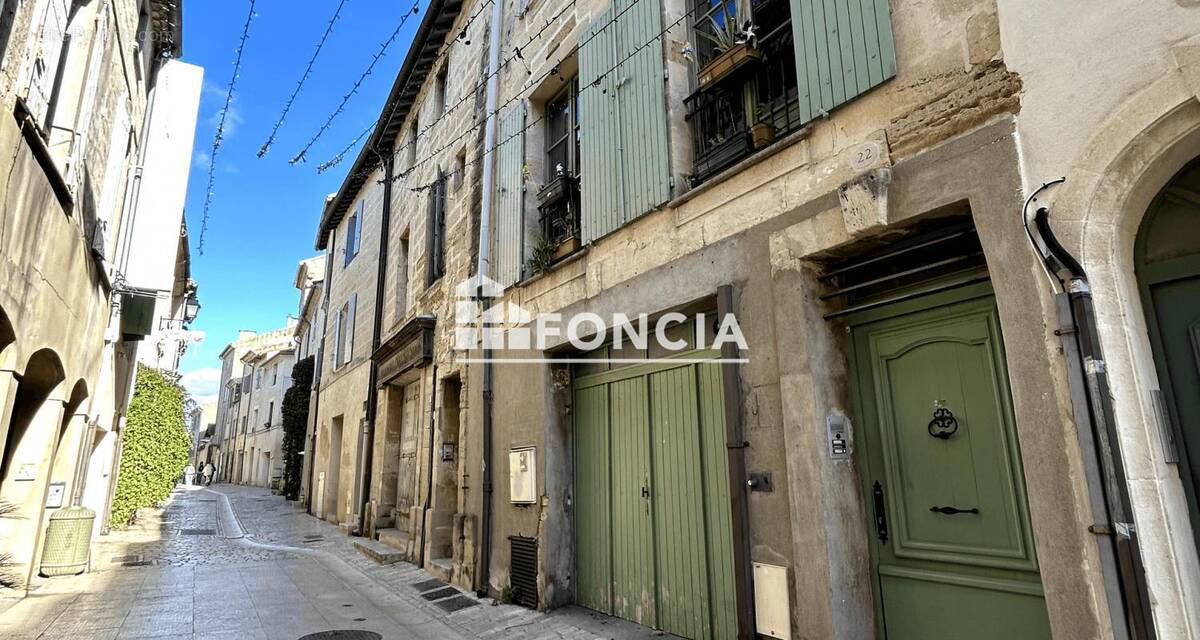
(156, 445)
(295, 425)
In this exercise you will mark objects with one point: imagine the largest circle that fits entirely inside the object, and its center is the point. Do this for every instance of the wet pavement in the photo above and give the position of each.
(237, 562)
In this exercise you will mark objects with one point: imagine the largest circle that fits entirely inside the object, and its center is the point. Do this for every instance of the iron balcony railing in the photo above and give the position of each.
(751, 108)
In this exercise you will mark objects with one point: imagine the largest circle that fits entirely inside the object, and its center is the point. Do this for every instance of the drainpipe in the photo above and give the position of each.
(376, 335)
(426, 530)
(485, 223)
(1120, 528)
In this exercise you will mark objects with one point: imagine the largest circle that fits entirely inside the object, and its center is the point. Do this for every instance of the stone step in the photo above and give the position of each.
(442, 568)
(394, 538)
(377, 551)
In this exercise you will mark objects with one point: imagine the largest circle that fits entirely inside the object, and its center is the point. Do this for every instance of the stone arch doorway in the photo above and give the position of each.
(1167, 265)
(33, 430)
(42, 375)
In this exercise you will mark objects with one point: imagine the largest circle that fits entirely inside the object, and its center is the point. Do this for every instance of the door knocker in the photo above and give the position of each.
(944, 424)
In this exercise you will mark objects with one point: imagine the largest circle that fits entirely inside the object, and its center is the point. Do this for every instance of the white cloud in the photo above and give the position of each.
(200, 160)
(203, 384)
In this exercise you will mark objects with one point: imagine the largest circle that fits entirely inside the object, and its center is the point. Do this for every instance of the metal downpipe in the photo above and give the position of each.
(484, 267)
(1120, 527)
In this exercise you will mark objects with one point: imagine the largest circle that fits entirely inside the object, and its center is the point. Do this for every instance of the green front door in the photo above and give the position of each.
(652, 511)
(1167, 259)
(952, 549)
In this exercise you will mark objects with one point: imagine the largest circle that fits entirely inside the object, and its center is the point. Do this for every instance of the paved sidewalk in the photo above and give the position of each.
(237, 562)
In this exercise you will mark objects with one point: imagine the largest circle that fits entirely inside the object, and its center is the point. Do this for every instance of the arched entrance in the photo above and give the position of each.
(1167, 263)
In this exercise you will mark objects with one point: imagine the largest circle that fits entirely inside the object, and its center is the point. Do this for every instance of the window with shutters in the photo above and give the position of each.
(558, 201)
(766, 68)
(40, 71)
(413, 133)
(439, 92)
(436, 259)
(354, 231)
(402, 276)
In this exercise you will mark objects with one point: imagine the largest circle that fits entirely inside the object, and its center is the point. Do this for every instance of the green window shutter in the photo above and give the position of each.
(843, 49)
(509, 195)
(623, 117)
(599, 182)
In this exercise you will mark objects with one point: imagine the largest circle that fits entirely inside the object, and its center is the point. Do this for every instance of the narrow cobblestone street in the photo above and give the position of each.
(238, 562)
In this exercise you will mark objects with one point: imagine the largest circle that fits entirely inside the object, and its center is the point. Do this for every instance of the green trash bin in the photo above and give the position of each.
(68, 542)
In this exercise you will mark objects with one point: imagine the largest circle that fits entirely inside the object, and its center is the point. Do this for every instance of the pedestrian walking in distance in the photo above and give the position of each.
(189, 472)
(209, 472)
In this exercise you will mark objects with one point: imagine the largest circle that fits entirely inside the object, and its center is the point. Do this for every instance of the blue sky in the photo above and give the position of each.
(264, 212)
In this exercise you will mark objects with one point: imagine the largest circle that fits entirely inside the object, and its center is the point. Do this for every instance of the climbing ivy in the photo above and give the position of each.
(156, 445)
(295, 425)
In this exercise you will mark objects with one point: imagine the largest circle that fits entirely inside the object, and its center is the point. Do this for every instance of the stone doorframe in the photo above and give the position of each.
(1096, 213)
(976, 172)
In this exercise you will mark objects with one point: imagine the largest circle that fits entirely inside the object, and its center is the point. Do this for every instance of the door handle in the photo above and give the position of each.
(881, 528)
(953, 510)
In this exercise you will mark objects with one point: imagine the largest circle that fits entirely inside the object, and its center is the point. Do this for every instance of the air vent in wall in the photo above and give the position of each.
(523, 571)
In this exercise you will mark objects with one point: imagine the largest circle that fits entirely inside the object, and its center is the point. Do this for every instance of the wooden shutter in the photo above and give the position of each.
(351, 321)
(624, 169)
(348, 252)
(49, 32)
(509, 199)
(88, 103)
(843, 49)
(358, 224)
(337, 340)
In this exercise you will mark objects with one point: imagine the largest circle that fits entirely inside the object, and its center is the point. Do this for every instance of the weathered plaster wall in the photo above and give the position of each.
(1112, 107)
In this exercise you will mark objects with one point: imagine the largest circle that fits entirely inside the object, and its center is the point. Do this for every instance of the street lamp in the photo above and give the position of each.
(191, 309)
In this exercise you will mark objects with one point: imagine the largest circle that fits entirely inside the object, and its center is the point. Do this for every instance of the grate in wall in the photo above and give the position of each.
(523, 570)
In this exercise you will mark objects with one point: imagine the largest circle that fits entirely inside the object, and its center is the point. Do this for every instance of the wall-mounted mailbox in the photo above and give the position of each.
(522, 476)
(838, 428)
(449, 449)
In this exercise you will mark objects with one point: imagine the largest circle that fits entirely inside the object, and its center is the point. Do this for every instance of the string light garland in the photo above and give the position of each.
(460, 37)
(466, 94)
(287, 107)
(219, 135)
(383, 47)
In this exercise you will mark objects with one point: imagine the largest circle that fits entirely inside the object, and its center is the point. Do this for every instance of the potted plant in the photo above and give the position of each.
(763, 130)
(733, 44)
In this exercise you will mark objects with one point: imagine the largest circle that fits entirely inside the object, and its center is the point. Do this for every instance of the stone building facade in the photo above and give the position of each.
(270, 372)
(963, 381)
(236, 447)
(95, 92)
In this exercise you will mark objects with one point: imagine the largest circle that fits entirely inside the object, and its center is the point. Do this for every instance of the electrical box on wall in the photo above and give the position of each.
(522, 476)
(772, 605)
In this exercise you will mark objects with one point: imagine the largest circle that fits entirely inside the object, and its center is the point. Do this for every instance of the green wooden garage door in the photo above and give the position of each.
(653, 523)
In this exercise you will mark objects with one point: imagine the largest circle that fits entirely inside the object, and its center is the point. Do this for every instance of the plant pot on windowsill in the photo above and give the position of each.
(559, 187)
(565, 248)
(733, 58)
(763, 134)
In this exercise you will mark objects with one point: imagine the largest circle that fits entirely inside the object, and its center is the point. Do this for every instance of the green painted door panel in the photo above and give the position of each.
(714, 458)
(680, 538)
(937, 567)
(632, 539)
(593, 526)
(1177, 312)
(667, 494)
(923, 609)
(843, 49)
